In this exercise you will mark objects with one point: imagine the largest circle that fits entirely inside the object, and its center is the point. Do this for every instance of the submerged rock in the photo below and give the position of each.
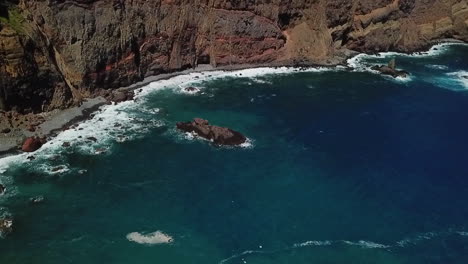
(58, 168)
(37, 200)
(218, 135)
(92, 139)
(100, 151)
(32, 144)
(390, 70)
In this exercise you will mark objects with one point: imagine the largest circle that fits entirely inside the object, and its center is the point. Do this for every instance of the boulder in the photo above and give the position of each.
(32, 144)
(216, 134)
(121, 96)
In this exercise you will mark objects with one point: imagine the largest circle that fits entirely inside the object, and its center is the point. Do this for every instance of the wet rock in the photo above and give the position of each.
(191, 89)
(121, 96)
(92, 139)
(390, 70)
(66, 144)
(31, 158)
(6, 226)
(216, 134)
(2, 189)
(32, 144)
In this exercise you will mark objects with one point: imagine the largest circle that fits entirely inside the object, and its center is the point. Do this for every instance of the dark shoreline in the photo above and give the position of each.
(338, 60)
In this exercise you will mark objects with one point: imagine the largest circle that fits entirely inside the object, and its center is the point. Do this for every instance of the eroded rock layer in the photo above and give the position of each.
(53, 53)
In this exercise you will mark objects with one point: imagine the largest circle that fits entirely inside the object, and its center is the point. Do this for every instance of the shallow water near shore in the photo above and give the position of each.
(342, 167)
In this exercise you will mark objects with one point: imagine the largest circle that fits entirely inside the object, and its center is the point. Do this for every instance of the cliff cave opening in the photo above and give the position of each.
(203, 59)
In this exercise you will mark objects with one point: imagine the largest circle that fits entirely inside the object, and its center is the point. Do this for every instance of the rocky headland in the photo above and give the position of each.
(54, 55)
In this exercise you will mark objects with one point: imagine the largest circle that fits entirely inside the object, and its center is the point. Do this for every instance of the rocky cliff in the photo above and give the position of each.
(53, 53)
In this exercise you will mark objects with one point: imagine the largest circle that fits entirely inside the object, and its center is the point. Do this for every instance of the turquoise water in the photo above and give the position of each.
(342, 167)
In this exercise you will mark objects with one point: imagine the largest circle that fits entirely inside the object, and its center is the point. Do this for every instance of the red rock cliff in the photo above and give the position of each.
(55, 52)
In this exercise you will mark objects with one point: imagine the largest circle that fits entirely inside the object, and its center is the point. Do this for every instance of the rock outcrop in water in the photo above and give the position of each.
(32, 144)
(390, 69)
(216, 134)
(55, 53)
(6, 226)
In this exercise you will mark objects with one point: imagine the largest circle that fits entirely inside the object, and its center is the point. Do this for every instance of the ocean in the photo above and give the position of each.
(342, 165)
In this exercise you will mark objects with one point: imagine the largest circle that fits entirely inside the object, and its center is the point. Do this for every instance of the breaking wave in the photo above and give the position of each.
(357, 63)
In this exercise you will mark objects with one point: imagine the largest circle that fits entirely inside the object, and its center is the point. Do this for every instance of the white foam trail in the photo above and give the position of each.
(366, 244)
(313, 243)
(360, 243)
(419, 238)
(154, 238)
(437, 67)
(245, 253)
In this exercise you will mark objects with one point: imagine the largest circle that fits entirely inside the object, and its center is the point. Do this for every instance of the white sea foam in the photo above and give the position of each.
(153, 238)
(248, 144)
(313, 243)
(461, 77)
(436, 66)
(418, 238)
(357, 64)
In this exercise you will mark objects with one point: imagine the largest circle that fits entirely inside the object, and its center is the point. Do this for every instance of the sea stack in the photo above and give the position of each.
(218, 135)
(390, 70)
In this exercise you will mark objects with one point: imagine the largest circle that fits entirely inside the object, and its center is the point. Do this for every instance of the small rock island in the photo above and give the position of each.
(218, 135)
(390, 70)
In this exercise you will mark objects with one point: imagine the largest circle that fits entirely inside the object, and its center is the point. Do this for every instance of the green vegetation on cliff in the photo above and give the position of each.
(13, 18)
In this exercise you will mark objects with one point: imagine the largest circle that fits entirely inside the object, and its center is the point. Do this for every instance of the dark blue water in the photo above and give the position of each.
(343, 167)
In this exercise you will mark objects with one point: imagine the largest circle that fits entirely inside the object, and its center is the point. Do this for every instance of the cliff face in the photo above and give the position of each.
(55, 52)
